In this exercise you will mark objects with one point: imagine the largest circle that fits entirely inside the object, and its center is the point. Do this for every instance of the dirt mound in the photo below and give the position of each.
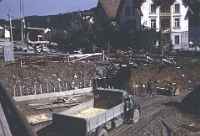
(191, 103)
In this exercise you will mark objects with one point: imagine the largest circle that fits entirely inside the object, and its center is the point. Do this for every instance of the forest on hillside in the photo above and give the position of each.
(59, 21)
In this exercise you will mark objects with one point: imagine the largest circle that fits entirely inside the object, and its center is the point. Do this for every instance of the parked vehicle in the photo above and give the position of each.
(109, 109)
(53, 51)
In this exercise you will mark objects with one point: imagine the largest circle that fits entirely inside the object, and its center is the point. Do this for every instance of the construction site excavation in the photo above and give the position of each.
(55, 85)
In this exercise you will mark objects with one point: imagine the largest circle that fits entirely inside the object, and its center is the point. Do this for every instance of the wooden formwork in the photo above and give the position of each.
(40, 60)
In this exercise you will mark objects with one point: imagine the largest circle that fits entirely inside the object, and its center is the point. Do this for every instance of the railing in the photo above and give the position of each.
(165, 14)
(166, 30)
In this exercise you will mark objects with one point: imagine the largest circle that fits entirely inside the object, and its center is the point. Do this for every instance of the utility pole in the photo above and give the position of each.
(22, 23)
(11, 34)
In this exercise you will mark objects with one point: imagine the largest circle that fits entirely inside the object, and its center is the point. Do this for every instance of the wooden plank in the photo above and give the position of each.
(4, 127)
(56, 106)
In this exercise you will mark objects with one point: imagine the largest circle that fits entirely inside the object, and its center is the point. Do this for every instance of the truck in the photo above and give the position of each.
(108, 109)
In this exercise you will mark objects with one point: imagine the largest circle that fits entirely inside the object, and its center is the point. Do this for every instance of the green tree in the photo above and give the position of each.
(102, 36)
(146, 38)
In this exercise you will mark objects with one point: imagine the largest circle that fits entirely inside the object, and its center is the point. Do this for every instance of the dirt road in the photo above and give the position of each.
(161, 116)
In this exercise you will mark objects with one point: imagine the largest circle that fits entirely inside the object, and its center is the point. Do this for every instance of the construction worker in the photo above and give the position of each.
(128, 109)
(149, 86)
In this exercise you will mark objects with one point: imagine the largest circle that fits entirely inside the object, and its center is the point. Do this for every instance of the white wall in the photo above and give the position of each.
(184, 25)
(147, 15)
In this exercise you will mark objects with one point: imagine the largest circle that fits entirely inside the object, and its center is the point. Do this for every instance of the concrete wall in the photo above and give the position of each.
(53, 94)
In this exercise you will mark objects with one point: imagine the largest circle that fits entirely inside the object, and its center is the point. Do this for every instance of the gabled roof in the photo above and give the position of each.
(139, 12)
(111, 7)
(190, 11)
(114, 7)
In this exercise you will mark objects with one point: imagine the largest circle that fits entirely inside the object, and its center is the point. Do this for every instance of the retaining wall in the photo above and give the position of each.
(53, 94)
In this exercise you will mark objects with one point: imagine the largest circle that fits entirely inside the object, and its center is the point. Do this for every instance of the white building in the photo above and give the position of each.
(169, 16)
(4, 33)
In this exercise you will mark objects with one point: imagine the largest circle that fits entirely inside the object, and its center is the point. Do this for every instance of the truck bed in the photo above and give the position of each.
(107, 105)
(85, 117)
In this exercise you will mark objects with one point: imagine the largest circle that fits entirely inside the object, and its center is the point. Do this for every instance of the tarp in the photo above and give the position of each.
(7, 34)
(8, 52)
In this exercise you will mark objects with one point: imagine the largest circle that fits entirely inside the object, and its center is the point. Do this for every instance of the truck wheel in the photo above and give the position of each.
(102, 132)
(136, 116)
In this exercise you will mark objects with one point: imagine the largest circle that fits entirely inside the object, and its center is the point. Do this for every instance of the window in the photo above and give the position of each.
(127, 11)
(162, 8)
(163, 24)
(177, 8)
(176, 39)
(127, 25)
(153, 23)
(153, 8)
(177, 23)
(133, 11)
(133, 24)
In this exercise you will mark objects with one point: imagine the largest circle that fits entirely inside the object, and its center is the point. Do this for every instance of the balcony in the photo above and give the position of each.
(165, 14)
(164, 1)
(166, 30)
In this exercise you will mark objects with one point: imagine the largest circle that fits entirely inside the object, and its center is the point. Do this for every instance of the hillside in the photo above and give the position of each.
(59, 21)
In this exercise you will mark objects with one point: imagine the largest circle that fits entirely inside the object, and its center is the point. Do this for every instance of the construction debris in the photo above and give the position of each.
(56, 106)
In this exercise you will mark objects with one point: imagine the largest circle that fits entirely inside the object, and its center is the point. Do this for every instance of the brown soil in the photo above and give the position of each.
(160, 114)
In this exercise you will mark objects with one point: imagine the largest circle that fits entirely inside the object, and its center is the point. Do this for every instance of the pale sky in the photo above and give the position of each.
(44, 7)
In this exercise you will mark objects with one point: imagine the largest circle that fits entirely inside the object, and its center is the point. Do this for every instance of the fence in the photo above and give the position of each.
(20, 93)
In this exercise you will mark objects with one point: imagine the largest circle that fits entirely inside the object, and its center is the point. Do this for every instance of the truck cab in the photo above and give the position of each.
(107, 98)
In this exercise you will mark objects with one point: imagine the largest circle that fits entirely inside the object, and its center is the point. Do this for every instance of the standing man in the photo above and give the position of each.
(149, 90)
